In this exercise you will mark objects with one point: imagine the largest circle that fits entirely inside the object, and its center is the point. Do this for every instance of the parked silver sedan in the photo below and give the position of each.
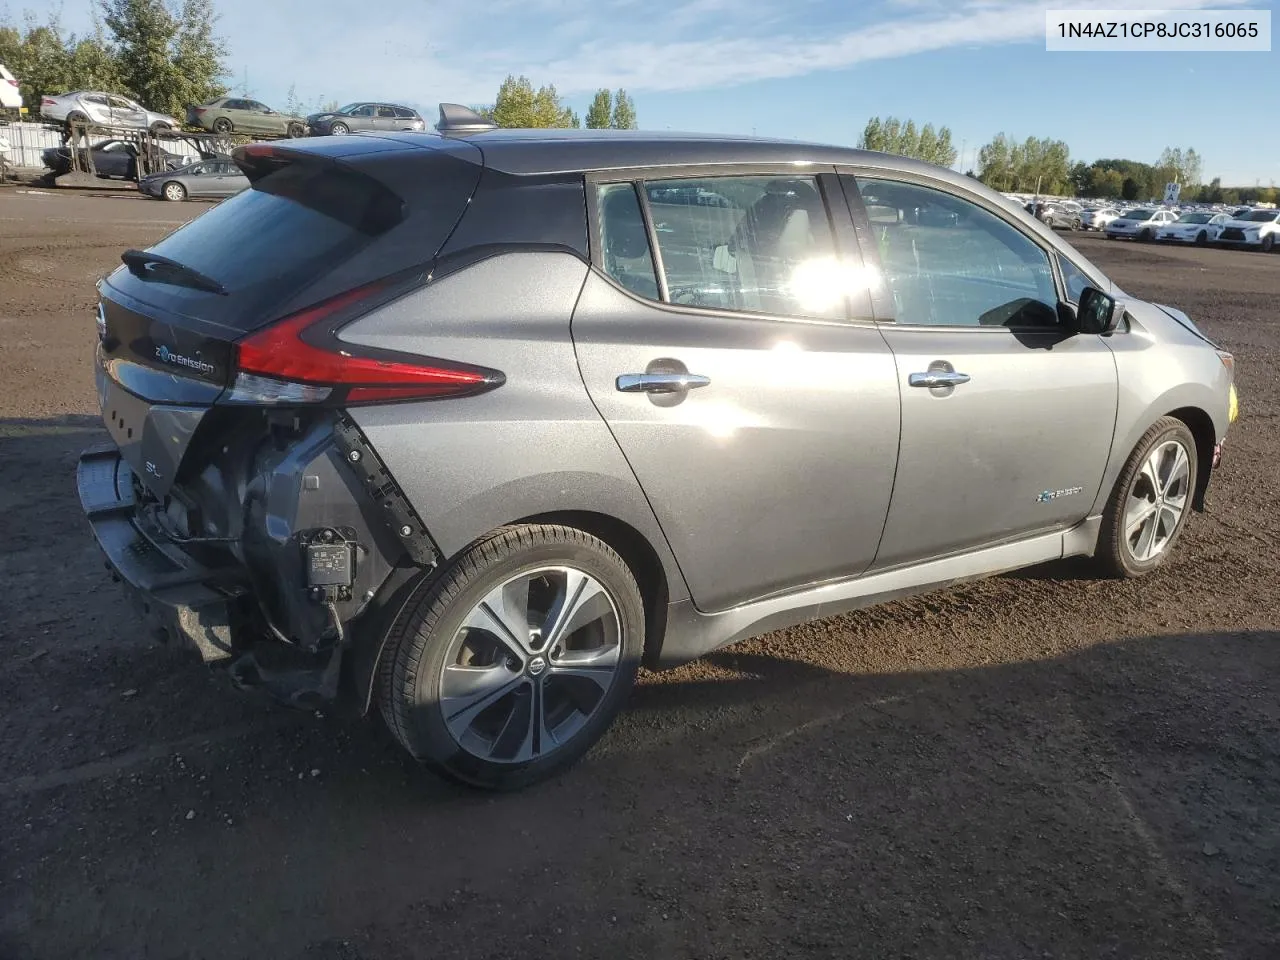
(209, 178)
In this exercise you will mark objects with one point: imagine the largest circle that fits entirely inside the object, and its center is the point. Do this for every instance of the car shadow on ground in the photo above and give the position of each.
(1116, 800)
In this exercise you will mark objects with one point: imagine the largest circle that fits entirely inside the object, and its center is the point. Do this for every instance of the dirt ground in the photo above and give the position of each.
(1034, 766)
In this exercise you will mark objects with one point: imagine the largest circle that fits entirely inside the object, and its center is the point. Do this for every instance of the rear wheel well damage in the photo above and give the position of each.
(1201, 426)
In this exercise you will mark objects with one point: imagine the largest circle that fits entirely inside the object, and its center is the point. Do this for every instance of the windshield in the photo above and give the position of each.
(1195, 218)
(348, 108)
(1261, 216)
(1139, 214)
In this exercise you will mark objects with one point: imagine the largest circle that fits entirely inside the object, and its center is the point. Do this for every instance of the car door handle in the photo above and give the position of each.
(937, 378)
(660, 382)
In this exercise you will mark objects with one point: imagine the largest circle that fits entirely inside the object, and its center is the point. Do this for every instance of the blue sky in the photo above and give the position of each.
(806, 69)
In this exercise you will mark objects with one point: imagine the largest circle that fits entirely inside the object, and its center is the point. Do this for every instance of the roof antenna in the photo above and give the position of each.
(458, 121)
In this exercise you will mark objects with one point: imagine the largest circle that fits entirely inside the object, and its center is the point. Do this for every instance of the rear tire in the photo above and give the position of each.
(1150, 502)
(460, 691)
(222, 126)
(174, 191)
(1075, 225)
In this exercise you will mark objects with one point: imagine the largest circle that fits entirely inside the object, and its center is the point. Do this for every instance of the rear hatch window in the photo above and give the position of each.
(264, 243)
(308, 221)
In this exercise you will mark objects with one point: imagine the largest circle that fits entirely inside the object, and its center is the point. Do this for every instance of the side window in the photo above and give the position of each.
(120, 103)
(624, 241)
(761, 244)
(949, 262)
(197, 171)
(96, 98)
(1075, 280)
(255, 106)
(404, 113)
(366, 110)
(386, 112)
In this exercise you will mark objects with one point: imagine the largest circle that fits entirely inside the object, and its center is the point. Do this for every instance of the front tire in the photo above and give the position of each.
(1145, 236)
(1202, 239)
(1150, 502)
(513, 661)
(160, 127)
(296, 130)
(174, 192)
(339, 129)
(1268, 243)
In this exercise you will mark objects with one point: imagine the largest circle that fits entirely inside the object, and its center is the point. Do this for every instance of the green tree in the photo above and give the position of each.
(199, 55)
(891, 135)
(1130, 189)
(167, 60)
(996, 163)
(519, 105)
(624, 111)
(600, 113)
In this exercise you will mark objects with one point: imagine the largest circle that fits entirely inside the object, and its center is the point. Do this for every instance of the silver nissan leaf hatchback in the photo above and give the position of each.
(465, 427)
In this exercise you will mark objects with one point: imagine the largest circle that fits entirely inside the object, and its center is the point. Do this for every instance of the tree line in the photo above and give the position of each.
(164, 54)
(518, 104)
(1044, 166)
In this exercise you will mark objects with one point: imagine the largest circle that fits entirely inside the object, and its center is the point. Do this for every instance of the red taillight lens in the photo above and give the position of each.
(46, 102)
(200, 109)
(300, 360)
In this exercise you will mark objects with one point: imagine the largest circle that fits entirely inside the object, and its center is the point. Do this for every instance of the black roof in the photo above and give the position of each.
(556, 151)
(573, 151)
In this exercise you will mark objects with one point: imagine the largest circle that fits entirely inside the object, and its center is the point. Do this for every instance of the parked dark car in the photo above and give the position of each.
(467, 427)
(111, 158)
(365, 115)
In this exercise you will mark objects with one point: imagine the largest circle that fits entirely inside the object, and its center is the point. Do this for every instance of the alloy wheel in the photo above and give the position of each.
(339, 130)
(174, 192)
(1157, 500)
(530, 664)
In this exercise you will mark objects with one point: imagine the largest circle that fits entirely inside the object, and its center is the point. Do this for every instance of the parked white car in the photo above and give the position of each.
(1140, 223)
(1097, 218)
(10, 97)
(1197, 227)
(107, 109)
(1257, 228)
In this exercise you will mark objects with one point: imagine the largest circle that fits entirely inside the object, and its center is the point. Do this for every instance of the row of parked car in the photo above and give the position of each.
(1202, 224)
(228, 116)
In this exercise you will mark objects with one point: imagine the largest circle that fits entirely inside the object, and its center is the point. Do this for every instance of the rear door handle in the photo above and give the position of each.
(937, 378)
(660, 382)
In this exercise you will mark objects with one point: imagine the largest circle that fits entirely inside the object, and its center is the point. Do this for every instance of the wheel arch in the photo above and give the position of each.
(638, 554)
(1202, 429)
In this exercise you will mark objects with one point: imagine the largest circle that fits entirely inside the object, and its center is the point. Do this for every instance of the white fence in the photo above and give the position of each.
(28, 140)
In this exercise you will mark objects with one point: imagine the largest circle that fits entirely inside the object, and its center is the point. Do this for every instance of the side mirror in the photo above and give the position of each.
(1098, 312)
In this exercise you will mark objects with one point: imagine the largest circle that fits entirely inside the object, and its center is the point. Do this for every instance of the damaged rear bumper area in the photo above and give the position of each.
(177, 597)
(272, 559)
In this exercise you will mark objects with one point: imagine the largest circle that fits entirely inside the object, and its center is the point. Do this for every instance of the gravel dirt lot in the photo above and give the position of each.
(1041, 765)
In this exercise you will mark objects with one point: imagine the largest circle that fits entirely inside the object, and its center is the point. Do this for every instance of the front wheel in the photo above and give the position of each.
(1268, 243)
(160, 127)
(1075, 225)
(1150, 502)
(339, 129)
(1202, 238)
(174, 191)
(514, 660)
(1145, 236)
(296, 130)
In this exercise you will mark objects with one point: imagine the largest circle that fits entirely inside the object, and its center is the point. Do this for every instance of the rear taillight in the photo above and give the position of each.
(200, 109)
(300, 360)
(46, 102)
